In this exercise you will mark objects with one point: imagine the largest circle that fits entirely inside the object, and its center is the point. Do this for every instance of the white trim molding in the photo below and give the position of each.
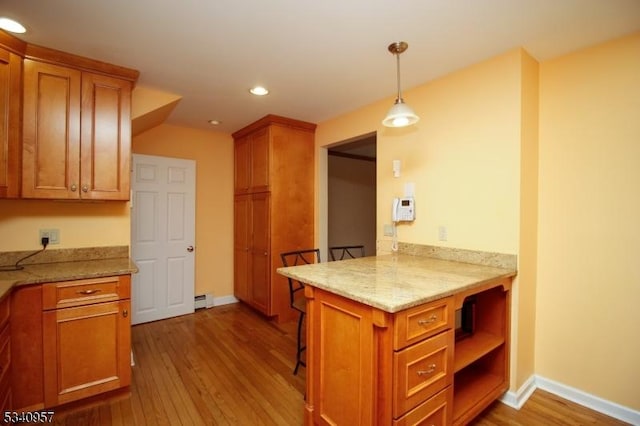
(593, 402)
(518, 398)
(224, 300)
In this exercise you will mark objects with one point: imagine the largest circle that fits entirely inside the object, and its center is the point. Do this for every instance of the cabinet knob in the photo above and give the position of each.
(85, 188)
(125, 313)
(190, 249)
(74, 187)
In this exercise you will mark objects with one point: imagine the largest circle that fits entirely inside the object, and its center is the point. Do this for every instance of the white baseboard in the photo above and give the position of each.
(224, 300)
(593, 402)
(517, 399)
(208, 301)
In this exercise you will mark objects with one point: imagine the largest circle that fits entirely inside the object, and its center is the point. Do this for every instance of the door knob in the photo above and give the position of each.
(190, 249)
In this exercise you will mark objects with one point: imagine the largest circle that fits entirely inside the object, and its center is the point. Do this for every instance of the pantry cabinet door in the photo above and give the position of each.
(260, 253)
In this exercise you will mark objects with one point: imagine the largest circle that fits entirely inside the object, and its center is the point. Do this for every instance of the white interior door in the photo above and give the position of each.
(162, 237)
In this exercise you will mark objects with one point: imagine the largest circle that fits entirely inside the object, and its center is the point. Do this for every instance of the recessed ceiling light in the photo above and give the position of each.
(12, 26)
(214, 122)
(259, 91)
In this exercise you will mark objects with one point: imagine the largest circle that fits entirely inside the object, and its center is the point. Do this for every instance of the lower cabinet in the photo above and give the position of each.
(86, 342)
(417, 366)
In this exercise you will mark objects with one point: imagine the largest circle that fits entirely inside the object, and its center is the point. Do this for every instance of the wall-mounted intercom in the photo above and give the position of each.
(403, 209)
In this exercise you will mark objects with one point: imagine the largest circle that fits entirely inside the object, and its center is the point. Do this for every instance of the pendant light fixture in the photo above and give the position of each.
(400, 114)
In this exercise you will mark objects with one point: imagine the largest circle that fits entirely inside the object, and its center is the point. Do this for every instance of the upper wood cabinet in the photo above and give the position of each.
(65, 124)
(252, 162)
(10, 107)
(76, 134)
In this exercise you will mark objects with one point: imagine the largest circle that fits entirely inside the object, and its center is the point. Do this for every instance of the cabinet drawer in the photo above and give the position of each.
(421, 371)
(436, 411)
(85, 292)
(422, 321)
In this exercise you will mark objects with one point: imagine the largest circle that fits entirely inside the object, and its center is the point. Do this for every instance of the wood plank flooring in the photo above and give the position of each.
(228, 366)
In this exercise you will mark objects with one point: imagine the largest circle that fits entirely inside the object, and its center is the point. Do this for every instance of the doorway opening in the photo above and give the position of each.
(351, 193)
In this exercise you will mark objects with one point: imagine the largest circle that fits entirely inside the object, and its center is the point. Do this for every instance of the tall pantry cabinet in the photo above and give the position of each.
(273, 208)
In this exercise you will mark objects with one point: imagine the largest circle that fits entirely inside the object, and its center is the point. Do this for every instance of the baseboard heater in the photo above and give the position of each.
(204, 301)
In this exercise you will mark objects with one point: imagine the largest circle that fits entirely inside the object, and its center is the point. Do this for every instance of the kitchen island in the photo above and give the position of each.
(388, 340)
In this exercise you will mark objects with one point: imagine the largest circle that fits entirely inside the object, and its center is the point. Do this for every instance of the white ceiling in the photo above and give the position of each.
(319, 58)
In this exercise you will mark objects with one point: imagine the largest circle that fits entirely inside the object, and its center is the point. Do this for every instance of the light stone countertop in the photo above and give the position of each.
(395, 282)
(93, 265)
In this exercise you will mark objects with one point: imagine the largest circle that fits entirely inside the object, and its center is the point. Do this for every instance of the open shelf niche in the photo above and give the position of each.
(481, 354)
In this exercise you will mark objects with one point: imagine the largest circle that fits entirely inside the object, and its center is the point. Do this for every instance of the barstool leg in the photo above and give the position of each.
(299, 361)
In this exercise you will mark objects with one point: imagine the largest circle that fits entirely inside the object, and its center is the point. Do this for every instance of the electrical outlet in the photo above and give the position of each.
(388, 230)
(442, 233)
(52, 234)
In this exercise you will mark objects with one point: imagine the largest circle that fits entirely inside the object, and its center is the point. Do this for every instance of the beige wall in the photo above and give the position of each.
(81, 224)
(213, 152)
(589, 228)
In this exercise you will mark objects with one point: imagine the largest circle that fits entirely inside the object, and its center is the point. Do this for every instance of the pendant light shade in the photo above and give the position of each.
(400, 114)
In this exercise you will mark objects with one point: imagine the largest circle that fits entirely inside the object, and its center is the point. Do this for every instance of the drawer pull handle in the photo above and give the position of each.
(88, 292)
(125, 313)
(430, 369)
(433, 318)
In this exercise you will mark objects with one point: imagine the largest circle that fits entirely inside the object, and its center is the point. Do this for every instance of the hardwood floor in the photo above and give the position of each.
(227, 366)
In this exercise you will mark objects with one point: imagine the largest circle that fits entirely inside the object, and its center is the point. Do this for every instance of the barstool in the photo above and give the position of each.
(296, 298)
(346, 252)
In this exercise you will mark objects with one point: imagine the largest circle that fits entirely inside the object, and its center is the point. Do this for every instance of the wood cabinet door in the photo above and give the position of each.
(260, 160)
(51, 131)
(86, 351)
(242, 165)
(10, 155)
(241, 246)
(27, 385)
(341, 369)
(260, 253)
(106, 138)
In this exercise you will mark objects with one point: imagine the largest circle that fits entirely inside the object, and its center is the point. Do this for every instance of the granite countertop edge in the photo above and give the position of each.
(393, 308)
(394, 283)
(40, 273)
